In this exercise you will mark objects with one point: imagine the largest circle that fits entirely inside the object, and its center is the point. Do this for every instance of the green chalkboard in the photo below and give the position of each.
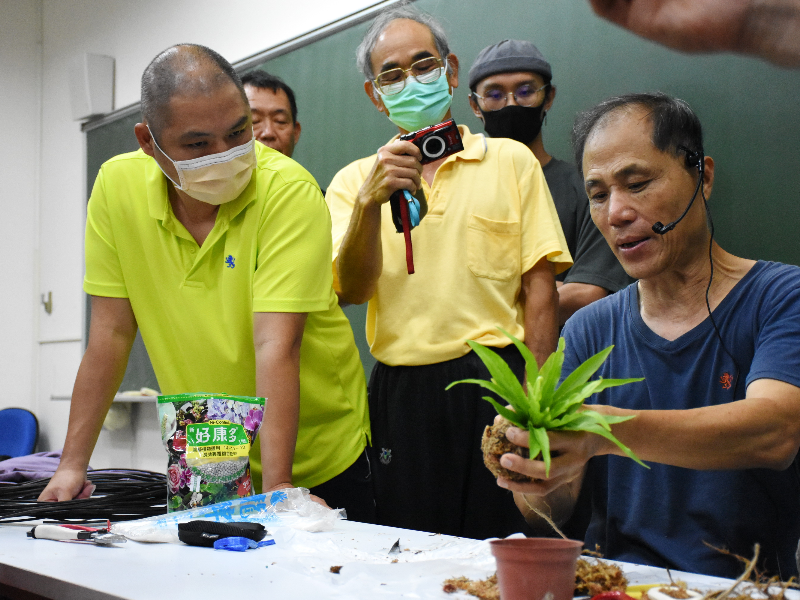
(102, 143)
(749, 109)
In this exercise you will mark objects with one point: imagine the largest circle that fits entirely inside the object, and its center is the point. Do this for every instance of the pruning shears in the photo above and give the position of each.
(76, 533)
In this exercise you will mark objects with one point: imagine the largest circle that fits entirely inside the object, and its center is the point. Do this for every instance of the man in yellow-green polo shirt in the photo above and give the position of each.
(218, 249)
(485, 256)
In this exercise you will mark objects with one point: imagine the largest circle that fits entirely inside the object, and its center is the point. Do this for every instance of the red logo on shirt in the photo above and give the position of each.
(726, 381)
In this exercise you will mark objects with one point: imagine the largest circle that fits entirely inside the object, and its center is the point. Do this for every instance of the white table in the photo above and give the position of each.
(296, 567)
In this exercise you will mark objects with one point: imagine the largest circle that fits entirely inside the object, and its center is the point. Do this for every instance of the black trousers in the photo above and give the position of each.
(427, 462)
(351, 490)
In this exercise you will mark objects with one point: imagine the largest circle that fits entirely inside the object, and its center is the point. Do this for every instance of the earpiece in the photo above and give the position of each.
(694, 160)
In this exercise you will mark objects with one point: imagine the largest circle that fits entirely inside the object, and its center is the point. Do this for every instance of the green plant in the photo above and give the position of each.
(545, 407)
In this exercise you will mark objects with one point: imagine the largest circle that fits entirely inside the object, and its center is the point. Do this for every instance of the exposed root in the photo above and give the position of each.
(752, 583)
(547, 518)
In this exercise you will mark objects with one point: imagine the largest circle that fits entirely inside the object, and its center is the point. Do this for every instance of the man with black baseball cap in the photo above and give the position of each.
(511, 92)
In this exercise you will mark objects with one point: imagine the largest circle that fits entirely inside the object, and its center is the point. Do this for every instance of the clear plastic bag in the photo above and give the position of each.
(290, 507)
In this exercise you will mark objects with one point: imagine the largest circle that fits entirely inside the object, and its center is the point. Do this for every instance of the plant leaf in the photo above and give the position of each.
(531, 366)
(609, 383)
(507, 414)
(533, 446)
(493, 387)
(564, 423)
(539, 434)
(573, 401)
(592, 416)
(582, 373)
(534, 402)
(503, 376)
(578, 421)
(613, 419)
(489, 385)
(551, 373)
(610, 436)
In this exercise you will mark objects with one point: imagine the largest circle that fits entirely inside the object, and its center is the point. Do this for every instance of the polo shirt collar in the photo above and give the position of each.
(230, 210)
(474, 145)
(157, 198)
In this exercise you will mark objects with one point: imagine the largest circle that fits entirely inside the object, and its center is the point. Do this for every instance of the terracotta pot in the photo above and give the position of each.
(529, 568)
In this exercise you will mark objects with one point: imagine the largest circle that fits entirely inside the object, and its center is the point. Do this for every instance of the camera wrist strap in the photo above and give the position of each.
(404, 216)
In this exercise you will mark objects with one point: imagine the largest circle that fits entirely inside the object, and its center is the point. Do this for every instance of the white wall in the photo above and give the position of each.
(20, 75)
(44, 192)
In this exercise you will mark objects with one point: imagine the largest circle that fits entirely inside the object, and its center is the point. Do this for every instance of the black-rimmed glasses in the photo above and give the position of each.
(524, 95)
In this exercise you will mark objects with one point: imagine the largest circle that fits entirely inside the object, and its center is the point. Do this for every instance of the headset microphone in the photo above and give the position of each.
(695, 160)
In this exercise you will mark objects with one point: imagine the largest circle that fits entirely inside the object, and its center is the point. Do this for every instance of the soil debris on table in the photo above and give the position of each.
(677, 590)
(485, 589)
(594, 576)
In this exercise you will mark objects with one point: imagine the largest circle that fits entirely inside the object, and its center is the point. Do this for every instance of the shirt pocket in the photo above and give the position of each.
(493, 248)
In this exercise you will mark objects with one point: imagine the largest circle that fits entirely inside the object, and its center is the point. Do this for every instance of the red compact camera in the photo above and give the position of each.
(436, 141)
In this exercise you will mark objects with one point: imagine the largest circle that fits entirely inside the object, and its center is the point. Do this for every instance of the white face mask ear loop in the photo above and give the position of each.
(177, 170)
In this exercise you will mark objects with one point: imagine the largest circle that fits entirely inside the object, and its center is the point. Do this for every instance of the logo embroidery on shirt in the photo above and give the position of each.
(230, 262)
(726, 380)
(386, 456)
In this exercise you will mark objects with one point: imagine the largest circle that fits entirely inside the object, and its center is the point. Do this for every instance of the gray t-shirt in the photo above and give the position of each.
(593, 261)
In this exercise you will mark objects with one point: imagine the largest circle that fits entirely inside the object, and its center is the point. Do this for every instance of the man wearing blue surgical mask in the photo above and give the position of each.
(218, 251)
(511, 94)
(486, 256)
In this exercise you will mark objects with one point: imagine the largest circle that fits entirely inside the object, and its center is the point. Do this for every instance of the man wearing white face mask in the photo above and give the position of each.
(219, 251)
(485, 257)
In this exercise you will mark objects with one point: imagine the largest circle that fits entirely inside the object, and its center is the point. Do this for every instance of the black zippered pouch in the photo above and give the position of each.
(205, 533)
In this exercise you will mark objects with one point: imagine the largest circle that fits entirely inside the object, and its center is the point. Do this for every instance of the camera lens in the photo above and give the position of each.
(433, 147)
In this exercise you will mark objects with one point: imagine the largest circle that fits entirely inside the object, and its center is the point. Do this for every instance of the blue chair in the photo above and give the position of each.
(19, 432)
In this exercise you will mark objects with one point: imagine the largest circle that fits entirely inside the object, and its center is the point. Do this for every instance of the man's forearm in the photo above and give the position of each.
(574, 296)
(279, 429)
(278, 337)
(761, 431)
(360, 259)
(540, 310)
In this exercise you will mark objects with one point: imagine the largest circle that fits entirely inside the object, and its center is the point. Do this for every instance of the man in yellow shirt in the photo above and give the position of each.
(218, 249)
(485, 255)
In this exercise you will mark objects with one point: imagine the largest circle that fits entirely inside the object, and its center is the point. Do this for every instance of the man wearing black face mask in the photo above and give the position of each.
(511, 94)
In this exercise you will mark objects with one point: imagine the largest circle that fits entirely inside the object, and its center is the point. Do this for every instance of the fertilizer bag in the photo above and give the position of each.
(208, 439)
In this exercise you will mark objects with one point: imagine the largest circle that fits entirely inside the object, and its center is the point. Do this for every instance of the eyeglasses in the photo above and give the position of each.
(525, 95)
(393, 81)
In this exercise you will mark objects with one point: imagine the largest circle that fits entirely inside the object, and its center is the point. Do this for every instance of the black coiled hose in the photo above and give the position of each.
(120, 495)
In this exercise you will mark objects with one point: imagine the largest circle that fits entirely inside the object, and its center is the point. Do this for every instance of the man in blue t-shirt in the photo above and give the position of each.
(717, 339)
